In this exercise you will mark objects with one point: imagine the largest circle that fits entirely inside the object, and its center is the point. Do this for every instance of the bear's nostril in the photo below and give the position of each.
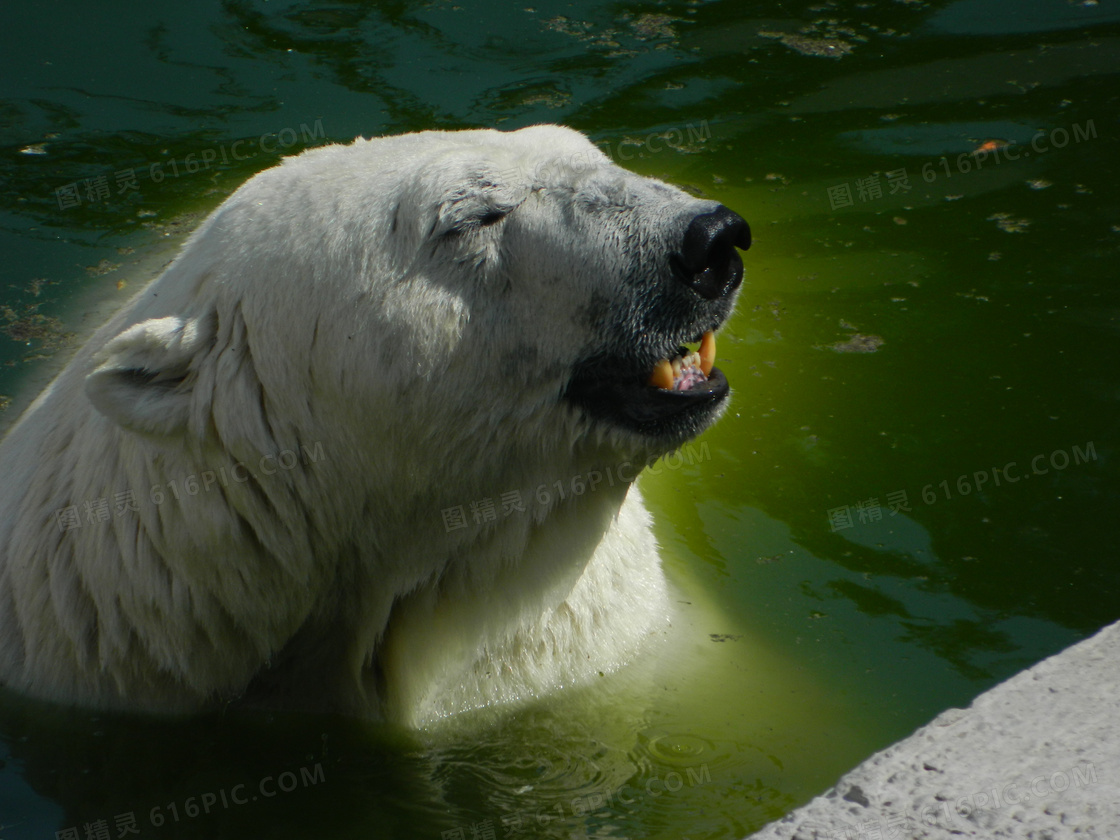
(707, 261)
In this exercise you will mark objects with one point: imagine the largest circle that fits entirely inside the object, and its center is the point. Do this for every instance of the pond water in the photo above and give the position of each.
(914, 492)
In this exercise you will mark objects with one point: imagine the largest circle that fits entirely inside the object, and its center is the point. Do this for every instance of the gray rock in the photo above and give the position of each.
(1036, 757)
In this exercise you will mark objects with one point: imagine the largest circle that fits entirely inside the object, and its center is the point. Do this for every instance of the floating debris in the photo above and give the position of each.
(33, 326)
(1009, 224)
(991, 145)
(550, 99)
(35, 287)
(808, 45)
(103, 267)
(858, 343)
(5, 401)
(649, 26)
(644, 28)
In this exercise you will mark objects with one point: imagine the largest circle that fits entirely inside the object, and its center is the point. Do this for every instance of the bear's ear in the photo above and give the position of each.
(141, 376)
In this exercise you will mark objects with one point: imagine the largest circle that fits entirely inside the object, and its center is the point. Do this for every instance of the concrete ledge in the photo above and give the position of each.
(1038, 757)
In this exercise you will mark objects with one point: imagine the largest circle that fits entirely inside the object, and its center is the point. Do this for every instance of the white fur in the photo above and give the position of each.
(356, 299)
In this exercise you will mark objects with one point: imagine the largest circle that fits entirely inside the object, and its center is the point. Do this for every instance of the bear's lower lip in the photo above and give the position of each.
(626, 399)
(649, 404)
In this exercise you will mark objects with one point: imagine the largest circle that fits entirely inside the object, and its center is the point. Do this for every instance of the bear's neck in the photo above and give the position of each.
(507, 603)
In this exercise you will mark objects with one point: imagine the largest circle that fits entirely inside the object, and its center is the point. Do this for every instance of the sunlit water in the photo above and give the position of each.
(909, 500)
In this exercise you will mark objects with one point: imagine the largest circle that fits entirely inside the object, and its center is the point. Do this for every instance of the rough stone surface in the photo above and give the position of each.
(1036, 757)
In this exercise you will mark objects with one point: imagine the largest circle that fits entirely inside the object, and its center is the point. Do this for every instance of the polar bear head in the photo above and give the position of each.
(465, 286)
(445, 316)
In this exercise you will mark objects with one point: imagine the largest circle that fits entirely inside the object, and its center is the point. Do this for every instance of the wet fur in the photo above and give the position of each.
(412, 309)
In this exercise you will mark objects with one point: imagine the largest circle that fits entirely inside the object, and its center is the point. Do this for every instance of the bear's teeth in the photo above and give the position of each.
(682, 372)
(662, 376)
(708, 352)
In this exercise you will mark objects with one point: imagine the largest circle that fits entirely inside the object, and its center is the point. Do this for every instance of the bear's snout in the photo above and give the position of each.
(708, 262)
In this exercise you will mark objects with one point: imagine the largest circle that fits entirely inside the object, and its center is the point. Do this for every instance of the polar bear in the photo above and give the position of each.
(368, 443)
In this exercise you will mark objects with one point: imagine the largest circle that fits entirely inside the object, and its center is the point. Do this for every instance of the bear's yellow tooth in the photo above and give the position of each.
(707, 352)
(662, 376)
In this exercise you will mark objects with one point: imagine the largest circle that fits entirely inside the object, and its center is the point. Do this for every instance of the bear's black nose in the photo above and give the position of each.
(708, 261)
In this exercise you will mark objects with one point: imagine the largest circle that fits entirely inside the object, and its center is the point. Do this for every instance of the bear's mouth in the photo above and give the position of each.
(675, 397)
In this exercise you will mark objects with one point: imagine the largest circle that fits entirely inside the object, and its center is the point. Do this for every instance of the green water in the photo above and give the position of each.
(861, 543)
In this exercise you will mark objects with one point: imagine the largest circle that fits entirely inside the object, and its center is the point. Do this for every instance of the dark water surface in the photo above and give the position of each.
(912, 497)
